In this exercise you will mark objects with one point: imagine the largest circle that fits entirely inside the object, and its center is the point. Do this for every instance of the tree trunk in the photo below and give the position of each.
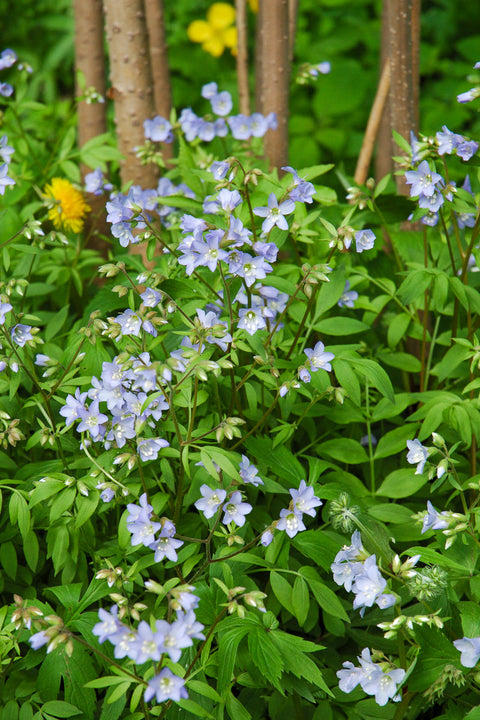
(90, 63)
(92, 120)
(383, 161)
(404, 48)
(162, 93)
(132, 85)
(275, 76)
(242, 56)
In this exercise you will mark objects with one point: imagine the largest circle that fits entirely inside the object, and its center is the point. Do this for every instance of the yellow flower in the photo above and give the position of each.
(216, 32)
(70, 208)
(253, 5)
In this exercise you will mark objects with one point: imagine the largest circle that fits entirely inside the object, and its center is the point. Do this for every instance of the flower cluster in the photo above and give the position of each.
(378, 679)
(427, 185)
(242, 127)
(144, 531)
(234, 510)
(126, 212)
(471, 94)
(357, 571)
(130, 400)
(142, 644)
(304, 501)
(7, 59)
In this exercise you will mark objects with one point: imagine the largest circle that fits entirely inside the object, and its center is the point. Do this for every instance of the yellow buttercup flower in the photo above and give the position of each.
(217, 32)
(70, 208)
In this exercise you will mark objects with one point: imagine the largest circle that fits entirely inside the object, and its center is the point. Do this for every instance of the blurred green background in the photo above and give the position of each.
(328, 118)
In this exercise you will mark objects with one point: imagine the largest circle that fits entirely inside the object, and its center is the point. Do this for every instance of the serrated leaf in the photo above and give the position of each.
(265, 655)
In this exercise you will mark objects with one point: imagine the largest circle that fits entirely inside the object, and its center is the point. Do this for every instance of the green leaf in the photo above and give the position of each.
(344, 450)
(30, 550)
(414, 285)
(203, 688)
(293, 650)
(86, 506)
(235, 709)
(19, 513)
(318, 546)
(8, 559)
(348, 380)
(433, 557)
(340, 326)
(227, 654)
(265, 655)
(56, 323)
(314, 171)
(282, 591)
(115, 693)
(60, 709)
(113, 710)
(401, 360)
(397, 329)
(325, 597)
(402, 483)
(395, 440)
(78, 670)
(391, 513)
(62, 503)
(300, 600)
(376, 376)
(470, 617)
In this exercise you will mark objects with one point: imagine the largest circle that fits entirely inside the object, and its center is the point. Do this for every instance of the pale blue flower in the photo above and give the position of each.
(470, 651)
(417, 453)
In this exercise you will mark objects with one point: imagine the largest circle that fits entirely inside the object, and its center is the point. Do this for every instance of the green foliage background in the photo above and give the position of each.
(344, 32)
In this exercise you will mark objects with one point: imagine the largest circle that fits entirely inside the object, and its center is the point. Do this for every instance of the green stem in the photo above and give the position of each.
(303, 321)
(369, 434)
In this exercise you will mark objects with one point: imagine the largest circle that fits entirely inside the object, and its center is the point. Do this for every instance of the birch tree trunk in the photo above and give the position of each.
(162, 92)
(275, 75)
(132, 85)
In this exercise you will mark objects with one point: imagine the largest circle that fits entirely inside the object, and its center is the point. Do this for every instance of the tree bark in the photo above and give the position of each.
(242, 56)
(162, 92)
(90, 63)
(404, 73)
(383, 160)
(132, 85)
(292, 28)
(275, 76)
(92, 119)
(259, 53)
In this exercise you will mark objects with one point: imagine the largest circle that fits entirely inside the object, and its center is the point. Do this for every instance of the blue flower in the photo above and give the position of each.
(274, 213)
(470, 650)
(417, 453)
(364, 240)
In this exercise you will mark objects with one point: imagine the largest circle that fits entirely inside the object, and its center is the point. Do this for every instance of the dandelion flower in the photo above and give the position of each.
(70, 208)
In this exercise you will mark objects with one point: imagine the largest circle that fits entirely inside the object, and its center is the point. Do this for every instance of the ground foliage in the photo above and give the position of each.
(362, 396)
